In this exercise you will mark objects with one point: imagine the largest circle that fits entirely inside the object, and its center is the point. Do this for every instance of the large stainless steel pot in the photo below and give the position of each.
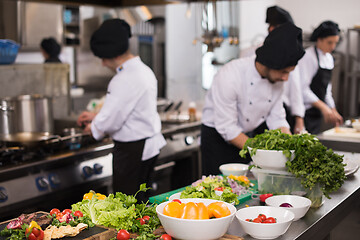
(33, 114)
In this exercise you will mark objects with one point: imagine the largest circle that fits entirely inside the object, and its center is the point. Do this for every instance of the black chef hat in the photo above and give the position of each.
(325, 29)
(282, 48)
(276, 15)
(111, 39)
(51, 47)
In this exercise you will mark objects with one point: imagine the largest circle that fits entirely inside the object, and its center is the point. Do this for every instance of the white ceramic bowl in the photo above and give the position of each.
(271, 159)
(300, 204)
(189, 229)
(236, 169)
(283, 217)
(356, 125)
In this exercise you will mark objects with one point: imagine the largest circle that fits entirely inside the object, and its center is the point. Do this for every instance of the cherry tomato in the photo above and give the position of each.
(59, 216)
(31, 236)
(142, 221)
(248, 220)
(177, 200)
(146, 218)
(257, 220)
(54, 211)
(123, 235)
(36, 231)
(66, 211)
(262, 217)
(270, 220)
(165, 237)
(219, 189)
(78, 214)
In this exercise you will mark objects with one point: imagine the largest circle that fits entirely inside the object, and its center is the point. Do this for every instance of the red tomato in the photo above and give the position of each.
(257, 220)
(165, 237)
(31, 237)
(59, 216)
(177, 200)
(219, 189)
(65, 211)
(54, 211)
(36, 231)
(123, 235)
(146, 218)
(142, 221)
(262, 217)
(270, 220)
(78, 214)
(248, 220)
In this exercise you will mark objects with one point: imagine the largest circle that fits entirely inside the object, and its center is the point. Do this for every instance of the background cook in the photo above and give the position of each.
(129, 114)
(246, 97)
(315, 72)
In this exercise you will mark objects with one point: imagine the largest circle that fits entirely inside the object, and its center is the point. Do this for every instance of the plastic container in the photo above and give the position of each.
(192, 111)
(285, 183)
(8, 51)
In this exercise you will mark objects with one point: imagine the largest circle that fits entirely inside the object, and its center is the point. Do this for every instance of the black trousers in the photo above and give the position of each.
(129, 171)
(313, 120)
(215, 151)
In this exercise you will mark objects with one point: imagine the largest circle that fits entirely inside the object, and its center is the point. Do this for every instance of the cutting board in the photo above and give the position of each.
(350, 133)
(94, 233)
(165, 196)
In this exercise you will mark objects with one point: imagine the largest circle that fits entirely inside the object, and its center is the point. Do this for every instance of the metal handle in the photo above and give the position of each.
(6, 108)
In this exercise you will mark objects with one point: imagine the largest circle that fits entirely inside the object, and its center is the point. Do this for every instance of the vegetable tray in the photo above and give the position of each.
(165, 196)
(94, 233)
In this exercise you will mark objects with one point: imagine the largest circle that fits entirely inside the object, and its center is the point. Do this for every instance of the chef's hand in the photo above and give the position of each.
(85, 119)
(299, 125)
(339, 118)
(285, 130)
(327, 112)
(87, 128)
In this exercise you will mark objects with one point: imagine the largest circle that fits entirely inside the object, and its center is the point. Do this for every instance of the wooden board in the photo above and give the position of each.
(94, 233)
(342, 132)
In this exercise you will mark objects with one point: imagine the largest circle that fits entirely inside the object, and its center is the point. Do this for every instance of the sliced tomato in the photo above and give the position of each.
(219, 189)
(146, 218)
(142, 221)
(270, 220)
(123, 235)
(257, 220)
(31, 237)
(54, 211)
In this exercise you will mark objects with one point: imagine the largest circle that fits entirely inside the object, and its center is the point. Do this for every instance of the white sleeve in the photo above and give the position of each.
(295, 94)
(120, 100)
(225, 105)
(329, 100)
(308, 68)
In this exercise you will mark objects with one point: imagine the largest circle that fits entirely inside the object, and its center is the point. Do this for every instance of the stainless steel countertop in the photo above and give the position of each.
(317, 223)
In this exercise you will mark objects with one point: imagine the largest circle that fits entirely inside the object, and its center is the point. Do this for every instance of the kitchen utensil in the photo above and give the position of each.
(28, 139)
(300, 205)
(236, 169)
(195, 229)
(8, 51)
(270, 159)
(283, 217)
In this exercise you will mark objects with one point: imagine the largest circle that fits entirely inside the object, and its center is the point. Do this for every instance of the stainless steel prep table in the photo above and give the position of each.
(317, 223)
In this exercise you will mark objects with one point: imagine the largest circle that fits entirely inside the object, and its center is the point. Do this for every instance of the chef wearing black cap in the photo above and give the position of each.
(315, 71)
(129, 114)
(245, 94)
(50, 49)
(293, 100)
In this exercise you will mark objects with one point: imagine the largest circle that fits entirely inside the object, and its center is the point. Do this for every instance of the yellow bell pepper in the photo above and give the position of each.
(243, 179)
(34, 224)
(174, 209)
(92, 194)
(100, 196)
(88, 196)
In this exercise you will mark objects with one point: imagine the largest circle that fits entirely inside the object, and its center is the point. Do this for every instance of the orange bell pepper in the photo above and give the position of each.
(174, 209)
(218, 210)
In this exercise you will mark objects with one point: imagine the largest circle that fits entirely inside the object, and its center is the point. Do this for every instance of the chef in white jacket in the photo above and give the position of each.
(315, 72)
(129, 114)
(246, 97)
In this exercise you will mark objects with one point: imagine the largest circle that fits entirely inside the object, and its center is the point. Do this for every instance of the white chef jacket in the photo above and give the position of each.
(129, 112)
(239, 100)
(308, 67)
(293, 94)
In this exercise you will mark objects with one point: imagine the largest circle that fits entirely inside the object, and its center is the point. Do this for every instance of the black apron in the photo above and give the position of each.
(215, 151)
(129, 171)
(319, 84)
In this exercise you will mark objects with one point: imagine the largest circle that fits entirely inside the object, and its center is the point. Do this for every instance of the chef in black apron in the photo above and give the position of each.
(246, 97)
(315, 71)
(129, 114)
